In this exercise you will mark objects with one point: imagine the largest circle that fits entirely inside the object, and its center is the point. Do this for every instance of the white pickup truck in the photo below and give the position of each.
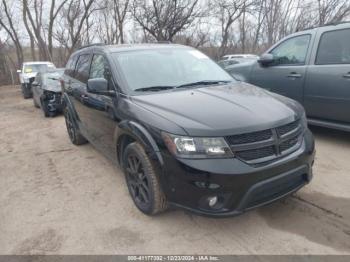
(28, 73)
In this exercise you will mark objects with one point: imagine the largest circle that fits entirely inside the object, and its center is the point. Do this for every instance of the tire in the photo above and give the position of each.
(74, 135)
(35, 103)
(26, 93)
(143, 181)
(45, 109)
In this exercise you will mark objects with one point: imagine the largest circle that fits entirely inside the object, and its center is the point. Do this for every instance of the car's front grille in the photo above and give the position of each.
(250, 137)
(275, 189)
(289, 144)
(256, 153)
(282, 130)
(268, 145)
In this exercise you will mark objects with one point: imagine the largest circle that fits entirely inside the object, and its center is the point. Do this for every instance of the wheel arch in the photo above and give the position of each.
(66, 103)
(129, 132)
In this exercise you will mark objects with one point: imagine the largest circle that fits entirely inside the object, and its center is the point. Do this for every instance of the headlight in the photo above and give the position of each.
(197, 147)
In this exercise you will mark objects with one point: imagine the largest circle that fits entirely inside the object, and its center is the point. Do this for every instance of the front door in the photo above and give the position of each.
(286, 75)
(327, 87)
(101, 108)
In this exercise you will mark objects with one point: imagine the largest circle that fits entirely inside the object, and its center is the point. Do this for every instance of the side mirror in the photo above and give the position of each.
(266, 59)
(19, 71)
(99, 86)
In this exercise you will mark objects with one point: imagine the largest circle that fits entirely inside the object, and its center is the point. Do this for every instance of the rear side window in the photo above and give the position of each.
(82, 68)
(334, 48)
(292, 51)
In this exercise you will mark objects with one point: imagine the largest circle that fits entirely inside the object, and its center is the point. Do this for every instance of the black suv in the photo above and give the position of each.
(184, 132)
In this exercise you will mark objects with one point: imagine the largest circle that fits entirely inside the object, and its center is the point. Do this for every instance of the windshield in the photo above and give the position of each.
(37, 68)
(168, 68)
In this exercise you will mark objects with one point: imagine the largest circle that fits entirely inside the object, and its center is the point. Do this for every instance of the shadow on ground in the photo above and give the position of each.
(318, 217)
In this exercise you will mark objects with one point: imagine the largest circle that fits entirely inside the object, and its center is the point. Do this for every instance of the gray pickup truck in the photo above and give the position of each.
(312, 67)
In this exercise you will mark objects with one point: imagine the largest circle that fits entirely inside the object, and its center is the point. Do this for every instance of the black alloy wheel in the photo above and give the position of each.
(74, 135)
(137, 180)
(142, 180)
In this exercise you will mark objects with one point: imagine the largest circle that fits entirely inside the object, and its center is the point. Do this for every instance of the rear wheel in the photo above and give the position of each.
(74, 135)
(143, 181)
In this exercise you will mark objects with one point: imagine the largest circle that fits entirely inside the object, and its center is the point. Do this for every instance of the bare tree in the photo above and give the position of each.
(163, 19)
(8, 24)
(111, 21)
(228, 12)
(36, 23)
(54, 11)
(331, 11)
(74, 24)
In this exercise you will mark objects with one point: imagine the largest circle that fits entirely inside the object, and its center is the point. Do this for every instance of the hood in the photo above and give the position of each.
(221, 110)
(53, 88)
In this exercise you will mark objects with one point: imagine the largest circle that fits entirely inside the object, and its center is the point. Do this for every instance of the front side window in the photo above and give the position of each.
(334, 48)
(168, 67)
(292, 51)
(99, 67)
(82, 68)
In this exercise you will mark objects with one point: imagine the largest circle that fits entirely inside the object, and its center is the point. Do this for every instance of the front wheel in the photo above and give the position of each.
(45, 108)
(74, 135)
(26, 92)
(143, 181)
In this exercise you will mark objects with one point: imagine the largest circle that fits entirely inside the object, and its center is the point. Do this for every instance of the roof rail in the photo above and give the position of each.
(328, 24)
(90, 45)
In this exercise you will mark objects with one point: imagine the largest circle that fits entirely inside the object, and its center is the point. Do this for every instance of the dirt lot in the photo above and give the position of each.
(56, 198)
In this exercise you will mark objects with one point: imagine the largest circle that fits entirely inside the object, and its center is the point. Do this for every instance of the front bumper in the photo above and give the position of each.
(53, 101)
(238, 186)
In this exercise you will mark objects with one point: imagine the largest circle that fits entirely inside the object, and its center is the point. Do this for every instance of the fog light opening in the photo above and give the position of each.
(212, 201)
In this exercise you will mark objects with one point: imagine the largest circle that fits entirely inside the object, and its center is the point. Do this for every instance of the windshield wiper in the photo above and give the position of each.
(153, 88)
(204, 82)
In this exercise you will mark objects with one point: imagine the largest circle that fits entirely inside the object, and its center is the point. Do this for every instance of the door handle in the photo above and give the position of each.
(294, 75)
(347, 75)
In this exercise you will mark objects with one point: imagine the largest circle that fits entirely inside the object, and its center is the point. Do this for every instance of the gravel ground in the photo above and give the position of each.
(56, 198)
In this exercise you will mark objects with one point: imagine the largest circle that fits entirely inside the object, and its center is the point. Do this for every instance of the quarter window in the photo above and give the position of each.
(334, 48)
(292, 51)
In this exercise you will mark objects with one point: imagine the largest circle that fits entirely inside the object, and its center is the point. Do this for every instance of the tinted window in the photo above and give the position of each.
(99, 67)
(71, 65)
(292, 51)
(82, 68)
(334, 48)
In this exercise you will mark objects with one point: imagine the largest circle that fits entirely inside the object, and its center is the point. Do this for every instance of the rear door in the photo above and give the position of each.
(286, 75)
(79, 93)
(327, 87)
